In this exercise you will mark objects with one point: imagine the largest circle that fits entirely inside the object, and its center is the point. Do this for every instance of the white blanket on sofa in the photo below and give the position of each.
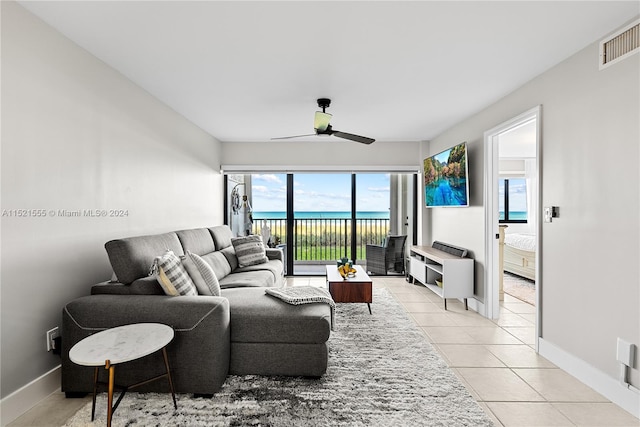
(297, 295)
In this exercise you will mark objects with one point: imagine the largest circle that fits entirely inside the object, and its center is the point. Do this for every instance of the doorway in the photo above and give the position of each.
(512, 223)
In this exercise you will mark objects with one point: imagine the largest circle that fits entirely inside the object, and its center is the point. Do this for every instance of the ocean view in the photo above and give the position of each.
(321, 215)
(514, 215)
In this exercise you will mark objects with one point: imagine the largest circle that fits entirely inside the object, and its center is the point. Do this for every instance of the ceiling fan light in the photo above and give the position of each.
(321, 121)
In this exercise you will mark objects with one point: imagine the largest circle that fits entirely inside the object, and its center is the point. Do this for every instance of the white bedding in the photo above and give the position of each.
(525, 242)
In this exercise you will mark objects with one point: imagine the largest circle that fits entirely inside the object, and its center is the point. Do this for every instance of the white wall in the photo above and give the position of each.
(330, 153)
(590, 254)
(78, 135)
(462, 227)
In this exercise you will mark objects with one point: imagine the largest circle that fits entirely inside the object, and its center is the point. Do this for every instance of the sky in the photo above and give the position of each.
(320, 192)
(517, 195)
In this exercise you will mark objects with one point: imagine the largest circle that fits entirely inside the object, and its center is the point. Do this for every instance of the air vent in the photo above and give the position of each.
(620, 45)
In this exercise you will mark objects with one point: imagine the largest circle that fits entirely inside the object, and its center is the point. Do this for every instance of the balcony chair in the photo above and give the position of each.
(389, 256)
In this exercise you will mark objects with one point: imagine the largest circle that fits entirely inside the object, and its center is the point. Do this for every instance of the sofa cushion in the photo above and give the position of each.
(131, 258)
(202, 274)
(143, 286)
(172, 275)
(218, 263)
(198, 241)
(260, 318)
(275, 267)
(274, 253)
(230, 254)
(221, 236)
(248, 279)
(249, 250)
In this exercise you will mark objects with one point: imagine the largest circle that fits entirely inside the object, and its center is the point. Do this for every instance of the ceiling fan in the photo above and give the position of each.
(322, 126)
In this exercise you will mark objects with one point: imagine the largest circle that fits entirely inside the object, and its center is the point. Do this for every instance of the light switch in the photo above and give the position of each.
(551, 212)
(547, 214)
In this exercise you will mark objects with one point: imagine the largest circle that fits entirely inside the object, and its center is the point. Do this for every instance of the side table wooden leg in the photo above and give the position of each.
(95, 390)
(166, 364)
(112, 373)
(369, 305)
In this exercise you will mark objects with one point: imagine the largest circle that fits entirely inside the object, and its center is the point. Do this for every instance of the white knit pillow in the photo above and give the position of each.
(172, 276)
(202, 275)
(249, 250)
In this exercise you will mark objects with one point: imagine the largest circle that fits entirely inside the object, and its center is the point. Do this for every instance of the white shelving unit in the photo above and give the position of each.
(455, 273)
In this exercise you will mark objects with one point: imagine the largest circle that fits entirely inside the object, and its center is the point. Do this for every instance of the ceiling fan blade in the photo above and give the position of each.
(352, 137)
(322, 126)
(321, 121)
(295, 136)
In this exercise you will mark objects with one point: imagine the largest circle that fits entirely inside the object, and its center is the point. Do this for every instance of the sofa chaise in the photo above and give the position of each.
(243, 331)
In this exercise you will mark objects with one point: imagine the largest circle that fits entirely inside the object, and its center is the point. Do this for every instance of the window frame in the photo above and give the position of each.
(506, 219)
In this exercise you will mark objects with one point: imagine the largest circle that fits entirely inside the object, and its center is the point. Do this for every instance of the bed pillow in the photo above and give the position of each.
(249, 250)
(202, 274)
(172, 276)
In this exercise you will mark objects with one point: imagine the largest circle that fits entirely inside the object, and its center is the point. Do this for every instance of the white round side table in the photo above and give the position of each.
(119, 345)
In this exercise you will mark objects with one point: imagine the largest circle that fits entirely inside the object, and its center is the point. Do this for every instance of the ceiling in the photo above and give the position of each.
(396, 71)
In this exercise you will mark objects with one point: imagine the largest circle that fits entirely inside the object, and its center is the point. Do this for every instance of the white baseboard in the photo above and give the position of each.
(477, 306)
(607, 386)
(20, 401)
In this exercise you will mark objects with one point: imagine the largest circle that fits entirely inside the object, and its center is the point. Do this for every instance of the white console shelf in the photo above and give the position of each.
(455, 273)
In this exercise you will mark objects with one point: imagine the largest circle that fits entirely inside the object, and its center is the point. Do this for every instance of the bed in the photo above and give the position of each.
(520, 255)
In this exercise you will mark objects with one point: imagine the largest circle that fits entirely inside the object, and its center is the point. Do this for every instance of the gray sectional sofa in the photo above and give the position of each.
(243, 331)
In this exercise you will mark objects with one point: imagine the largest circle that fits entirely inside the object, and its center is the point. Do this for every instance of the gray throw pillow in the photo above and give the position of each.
(172, 276)
(202, 275)
(249, 250)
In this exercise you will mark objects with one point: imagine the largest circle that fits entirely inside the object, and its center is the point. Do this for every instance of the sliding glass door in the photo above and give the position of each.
(322, 220)
(317, 218)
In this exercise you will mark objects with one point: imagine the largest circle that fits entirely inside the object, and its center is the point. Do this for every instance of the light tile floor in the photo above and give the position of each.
(497, 363)
(495, 360)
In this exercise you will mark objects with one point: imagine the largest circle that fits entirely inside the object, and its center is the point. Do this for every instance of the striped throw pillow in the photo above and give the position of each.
(172, 276)
(202, 275)
(249, 250)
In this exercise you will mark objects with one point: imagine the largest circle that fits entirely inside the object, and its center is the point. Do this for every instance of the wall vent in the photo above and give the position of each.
(620, 45)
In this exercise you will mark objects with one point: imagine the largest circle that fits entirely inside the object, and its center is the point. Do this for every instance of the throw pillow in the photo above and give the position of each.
(249, 250)
(202, 275)
(172, 276)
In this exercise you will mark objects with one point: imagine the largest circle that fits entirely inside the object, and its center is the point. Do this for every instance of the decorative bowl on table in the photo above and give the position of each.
(345, 268)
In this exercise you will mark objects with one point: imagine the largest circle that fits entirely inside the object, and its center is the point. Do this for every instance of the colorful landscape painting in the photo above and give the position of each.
(445, 178)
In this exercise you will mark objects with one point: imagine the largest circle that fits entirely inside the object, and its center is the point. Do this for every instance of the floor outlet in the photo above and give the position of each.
(51, 335)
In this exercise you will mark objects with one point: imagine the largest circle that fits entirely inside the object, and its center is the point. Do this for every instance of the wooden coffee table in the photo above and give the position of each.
(357, 289)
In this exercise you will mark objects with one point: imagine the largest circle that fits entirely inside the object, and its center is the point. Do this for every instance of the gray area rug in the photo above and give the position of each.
(382, 372)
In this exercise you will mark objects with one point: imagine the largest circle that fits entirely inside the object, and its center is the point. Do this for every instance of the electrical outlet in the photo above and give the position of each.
(51, 334)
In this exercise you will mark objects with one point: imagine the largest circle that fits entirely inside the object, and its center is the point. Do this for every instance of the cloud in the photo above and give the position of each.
(379, 189)
(259, 189)
(267, 178)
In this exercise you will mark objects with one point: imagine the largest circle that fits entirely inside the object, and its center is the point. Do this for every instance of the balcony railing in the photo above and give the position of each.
(326, 239)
